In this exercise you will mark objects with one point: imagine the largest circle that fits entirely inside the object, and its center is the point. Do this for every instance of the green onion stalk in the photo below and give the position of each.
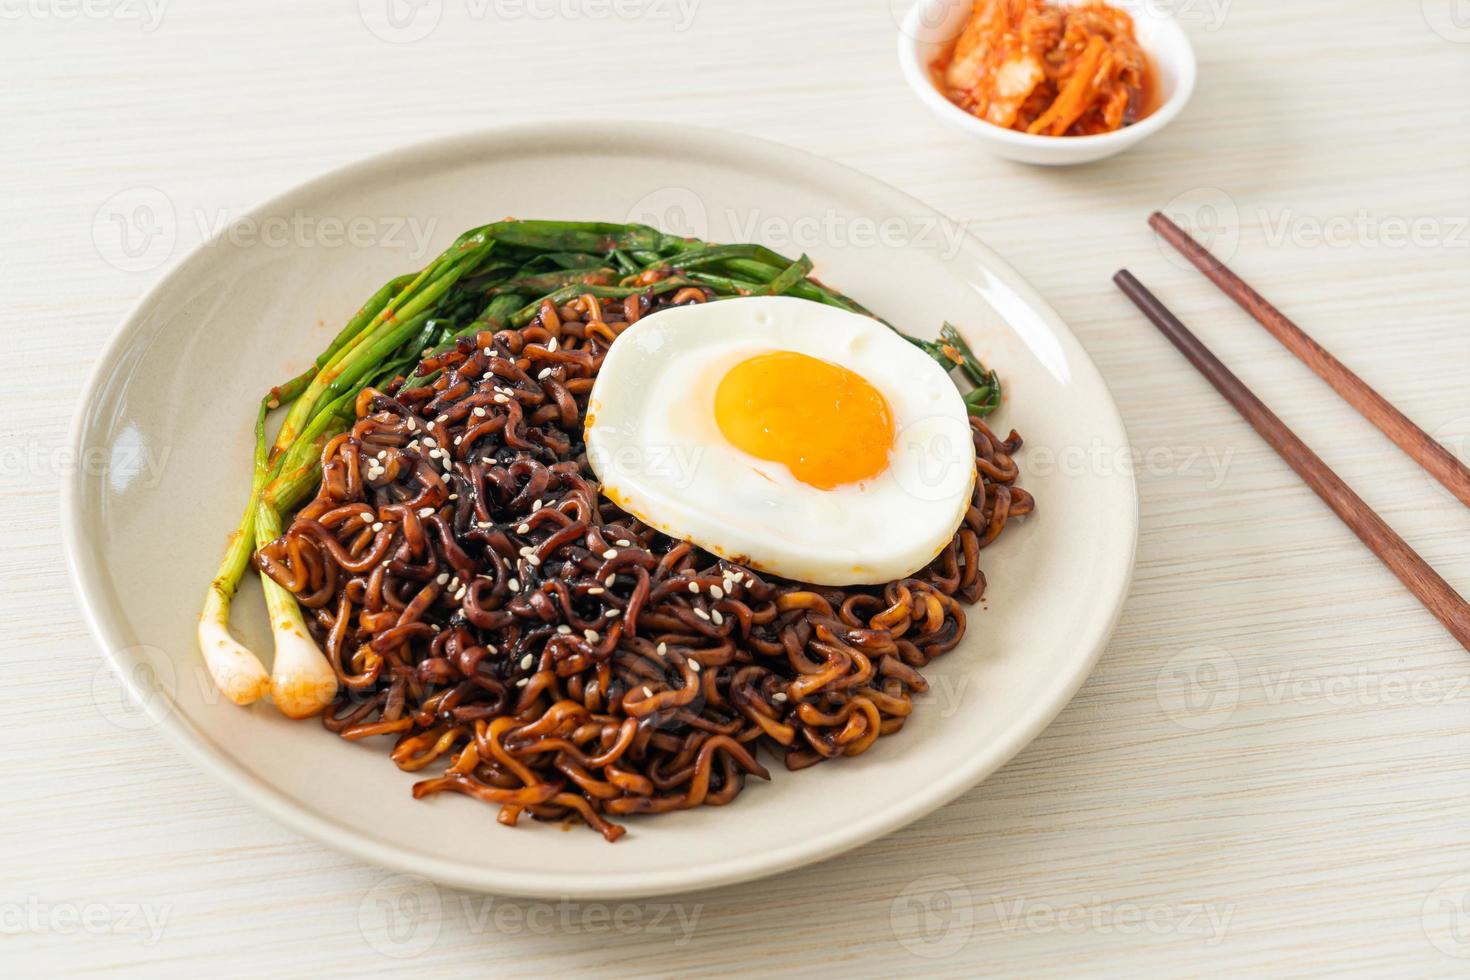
(492, 277)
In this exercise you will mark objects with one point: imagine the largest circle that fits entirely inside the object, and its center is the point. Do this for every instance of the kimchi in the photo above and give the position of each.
(1046, 69)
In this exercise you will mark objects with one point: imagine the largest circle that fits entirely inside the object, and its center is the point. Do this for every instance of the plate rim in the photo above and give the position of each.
(171, 721)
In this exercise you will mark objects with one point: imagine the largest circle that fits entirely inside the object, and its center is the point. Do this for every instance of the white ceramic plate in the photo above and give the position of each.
(168, 413)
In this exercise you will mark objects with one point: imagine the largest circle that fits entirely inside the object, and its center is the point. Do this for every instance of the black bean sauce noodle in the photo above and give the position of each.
(480, 602)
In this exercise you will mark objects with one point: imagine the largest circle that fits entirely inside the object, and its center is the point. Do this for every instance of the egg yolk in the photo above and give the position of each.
(828, 425)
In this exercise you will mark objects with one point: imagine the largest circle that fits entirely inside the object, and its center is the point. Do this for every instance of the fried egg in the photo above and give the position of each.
(796, 438)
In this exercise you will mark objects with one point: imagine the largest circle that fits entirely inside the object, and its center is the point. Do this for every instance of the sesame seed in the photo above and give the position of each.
(479, 411)
(663, 648)
(563, 629)
(596, 590)
(382, 454)
(701, 614)
(646, 692)
(527, 550)
(522, 682)
(545, 373)
(592, 635)
(551, 345)
(779, 696)
(501, 400)
(454, 496)
(523, 529)
(442, 578)
(614, 613)
(366, 518)
(459, 594)
(695, 665)
(694, 587)
(610, 553)
(488, 352)
(527, 661)
(717, 617)
(532, 560)
(609, 581)
(426, 512)
(429, 441)
(377, 525)
(458, 440)
(433, 454)
(537, 505)
(514, 585)
(716, 592)
(624, 543)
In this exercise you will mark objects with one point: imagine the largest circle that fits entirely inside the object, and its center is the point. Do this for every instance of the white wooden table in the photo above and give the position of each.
(1269, 770)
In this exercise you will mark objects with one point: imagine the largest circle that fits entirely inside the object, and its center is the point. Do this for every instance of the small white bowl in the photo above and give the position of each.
(931, 24)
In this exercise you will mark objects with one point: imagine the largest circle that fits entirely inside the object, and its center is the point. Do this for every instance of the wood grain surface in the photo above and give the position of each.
(1266, 774)
(1426, 585)
(1421, 447)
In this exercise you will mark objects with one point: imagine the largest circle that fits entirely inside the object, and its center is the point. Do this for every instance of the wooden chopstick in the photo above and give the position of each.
(1439, 462)
(1434, 592)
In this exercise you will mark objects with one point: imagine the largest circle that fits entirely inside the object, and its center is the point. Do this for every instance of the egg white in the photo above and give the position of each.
(653, 441)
